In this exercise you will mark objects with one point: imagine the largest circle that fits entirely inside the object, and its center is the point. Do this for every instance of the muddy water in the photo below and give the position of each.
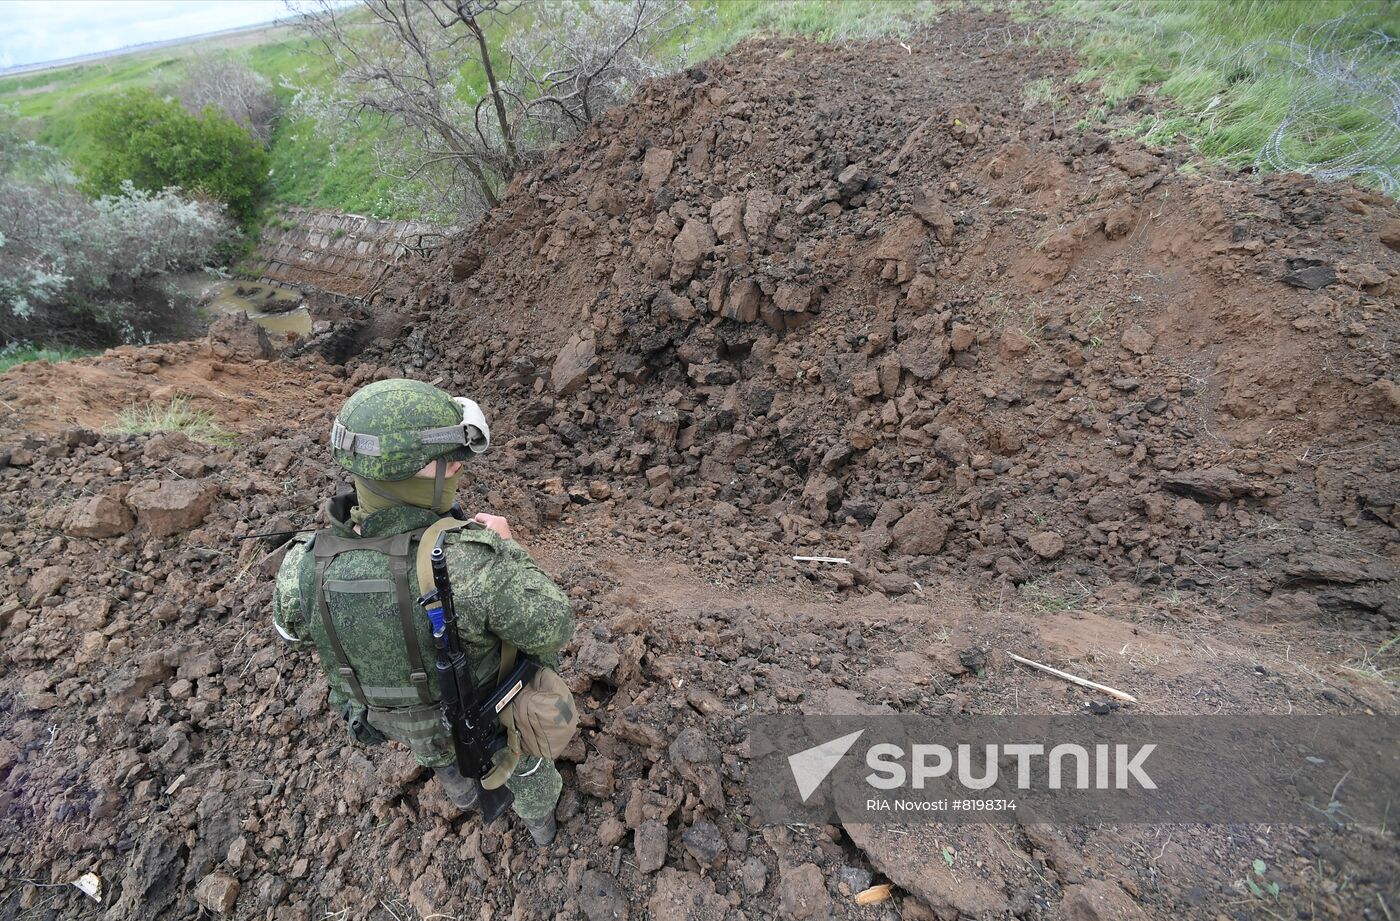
(274, 307)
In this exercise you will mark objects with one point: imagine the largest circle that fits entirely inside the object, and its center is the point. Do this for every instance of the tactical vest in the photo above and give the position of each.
(374, 607)
(379, 638)
(389, 667)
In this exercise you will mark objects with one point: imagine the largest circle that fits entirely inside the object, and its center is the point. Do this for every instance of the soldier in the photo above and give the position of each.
(350, 591)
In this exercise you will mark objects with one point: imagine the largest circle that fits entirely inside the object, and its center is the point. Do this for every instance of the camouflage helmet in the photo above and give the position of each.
(389, 430)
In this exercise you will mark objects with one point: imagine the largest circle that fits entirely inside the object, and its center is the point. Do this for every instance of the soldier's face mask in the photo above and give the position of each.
(436, 493)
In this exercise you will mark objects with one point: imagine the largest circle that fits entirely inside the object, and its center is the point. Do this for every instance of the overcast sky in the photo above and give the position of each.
(32, 31)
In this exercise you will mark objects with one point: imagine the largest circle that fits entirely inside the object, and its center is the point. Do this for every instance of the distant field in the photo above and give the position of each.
(303, 172)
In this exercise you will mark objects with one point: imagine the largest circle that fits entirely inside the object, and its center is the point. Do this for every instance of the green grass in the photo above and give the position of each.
(822, 20)
(19, 353)
(175, 416)
(1227, 76)
(1217, 66)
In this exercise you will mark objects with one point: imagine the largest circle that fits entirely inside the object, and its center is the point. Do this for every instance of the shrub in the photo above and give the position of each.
(154, 144)
(72, 269)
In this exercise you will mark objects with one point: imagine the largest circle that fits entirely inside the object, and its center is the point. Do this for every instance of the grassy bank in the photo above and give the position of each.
(18, 355)
(1308, 85)
(1228, 74)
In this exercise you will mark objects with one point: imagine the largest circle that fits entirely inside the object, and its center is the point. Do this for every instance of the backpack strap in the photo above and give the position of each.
(398, 567)
(425, 578)
(326, 547)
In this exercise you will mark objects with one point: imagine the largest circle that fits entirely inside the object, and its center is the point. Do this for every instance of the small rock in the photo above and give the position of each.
(1215, 484)
(1047, 544)
(696, 759)
(865, 384)
(1313, 277)
(272, 890)
(656, 167)
(577, 360)
(649, 846)
(1138, 340)
(217, 892)
(929, 209)
(596, 776)
(921, 532)
(596, 661)
(695, 241)
(1099, 900)
(704, 842)
(1014, 342)
(754, 876)
(1120, 222)
(1390, 234)
(974, 659)
(235, 335)
(854, 879)
(49, 581)
(611, 831)
(601, 898)
(167, 507)
(726, 216)
(98, 516)
(802, 892)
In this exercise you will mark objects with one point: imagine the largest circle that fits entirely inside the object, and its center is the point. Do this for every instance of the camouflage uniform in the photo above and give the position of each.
(500, 594)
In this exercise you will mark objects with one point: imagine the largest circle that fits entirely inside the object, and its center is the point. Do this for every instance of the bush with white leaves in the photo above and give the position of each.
(80, 270)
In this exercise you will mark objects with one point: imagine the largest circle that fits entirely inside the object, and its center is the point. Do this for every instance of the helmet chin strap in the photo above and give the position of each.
(439, 475)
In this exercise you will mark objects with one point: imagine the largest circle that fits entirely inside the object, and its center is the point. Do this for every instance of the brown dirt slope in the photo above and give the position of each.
(864, 302)
(1047, 392)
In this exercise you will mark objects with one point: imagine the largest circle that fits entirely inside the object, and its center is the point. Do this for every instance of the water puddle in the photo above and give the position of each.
(273, 307)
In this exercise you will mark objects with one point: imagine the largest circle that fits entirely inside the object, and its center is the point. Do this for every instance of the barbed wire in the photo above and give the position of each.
(1343, 99)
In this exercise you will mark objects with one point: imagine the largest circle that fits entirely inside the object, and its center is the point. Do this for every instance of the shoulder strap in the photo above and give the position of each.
(408, 610)
(324, 551)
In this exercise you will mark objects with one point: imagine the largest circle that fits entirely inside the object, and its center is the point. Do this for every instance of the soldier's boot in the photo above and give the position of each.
(464, 792)
(542, 830)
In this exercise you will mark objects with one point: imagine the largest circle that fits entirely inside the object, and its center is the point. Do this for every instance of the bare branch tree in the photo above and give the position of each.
(574, 61)
(230, 85)
(405, 63)
(399, 61)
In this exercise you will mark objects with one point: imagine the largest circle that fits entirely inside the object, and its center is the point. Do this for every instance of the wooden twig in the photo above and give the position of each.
(1075, 679)
(823, 559)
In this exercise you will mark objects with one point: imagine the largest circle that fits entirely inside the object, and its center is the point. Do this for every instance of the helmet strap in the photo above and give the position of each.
(439, 474)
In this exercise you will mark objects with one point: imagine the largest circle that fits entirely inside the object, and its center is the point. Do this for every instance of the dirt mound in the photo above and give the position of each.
(1045, 391)
(922, 326)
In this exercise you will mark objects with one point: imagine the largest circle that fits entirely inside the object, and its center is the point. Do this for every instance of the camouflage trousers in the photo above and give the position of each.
(535, 783)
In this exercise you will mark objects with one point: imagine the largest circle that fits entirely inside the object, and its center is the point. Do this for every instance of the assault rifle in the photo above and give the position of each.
(475, 724)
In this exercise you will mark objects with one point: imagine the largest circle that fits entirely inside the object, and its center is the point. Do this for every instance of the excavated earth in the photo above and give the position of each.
(1045, 390)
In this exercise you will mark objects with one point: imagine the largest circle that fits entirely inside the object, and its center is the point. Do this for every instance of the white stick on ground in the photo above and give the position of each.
(822, 559)
(1075, 679)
